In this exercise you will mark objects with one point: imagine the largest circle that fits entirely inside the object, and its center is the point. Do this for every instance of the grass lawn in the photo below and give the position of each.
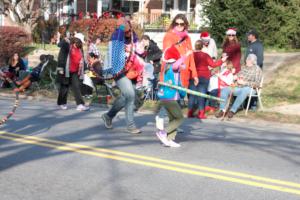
(285, 87)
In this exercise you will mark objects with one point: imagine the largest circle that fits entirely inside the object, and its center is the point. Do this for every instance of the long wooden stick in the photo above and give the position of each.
(192, 92)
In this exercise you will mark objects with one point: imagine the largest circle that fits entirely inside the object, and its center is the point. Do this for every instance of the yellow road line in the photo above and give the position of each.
(198, 167)
(162, 165)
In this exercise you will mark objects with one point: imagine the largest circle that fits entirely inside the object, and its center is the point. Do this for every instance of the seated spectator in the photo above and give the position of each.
(33, 76)
(249, 76)
(222, 78)
(15, 65)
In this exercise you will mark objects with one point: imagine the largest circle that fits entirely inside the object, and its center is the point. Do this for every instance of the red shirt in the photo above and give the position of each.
(233, 51)
(202, 61)
(75, 58)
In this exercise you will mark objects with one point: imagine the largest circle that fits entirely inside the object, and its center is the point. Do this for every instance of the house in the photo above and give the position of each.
(144, 11)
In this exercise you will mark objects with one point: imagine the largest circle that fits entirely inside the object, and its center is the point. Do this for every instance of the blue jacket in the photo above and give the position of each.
(167, 93)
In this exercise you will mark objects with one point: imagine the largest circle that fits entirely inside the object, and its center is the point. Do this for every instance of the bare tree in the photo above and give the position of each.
(24, 12)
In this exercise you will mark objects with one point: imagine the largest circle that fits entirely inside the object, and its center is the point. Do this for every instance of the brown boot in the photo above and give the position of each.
(219, 114)
(201, 114)
(190, 113)
(230, 114)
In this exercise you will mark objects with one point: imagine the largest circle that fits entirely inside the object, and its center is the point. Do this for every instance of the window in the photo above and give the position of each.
(105, 5)
(1, 20)
(182, 5)
(169, 4)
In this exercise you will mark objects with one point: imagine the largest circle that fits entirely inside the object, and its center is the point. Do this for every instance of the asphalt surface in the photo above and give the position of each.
(47, 153)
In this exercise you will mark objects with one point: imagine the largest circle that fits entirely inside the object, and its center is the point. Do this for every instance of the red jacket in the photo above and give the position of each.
(233, 51)
(202, 61)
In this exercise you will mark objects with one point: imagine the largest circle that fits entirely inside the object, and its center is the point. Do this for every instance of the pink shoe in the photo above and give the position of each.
(162, 136)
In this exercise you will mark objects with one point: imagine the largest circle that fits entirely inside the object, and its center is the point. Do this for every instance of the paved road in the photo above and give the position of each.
(48, 154)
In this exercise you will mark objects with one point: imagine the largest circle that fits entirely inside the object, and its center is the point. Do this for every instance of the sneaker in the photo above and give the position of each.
(230, 114)
(179, 130)
(134, 130)
(81, 107)
(63, 107)
(219, 114)
(107, 121)
(162, 136)
(172, 143)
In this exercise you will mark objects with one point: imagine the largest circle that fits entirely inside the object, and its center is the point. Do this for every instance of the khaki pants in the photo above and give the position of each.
(175, 117)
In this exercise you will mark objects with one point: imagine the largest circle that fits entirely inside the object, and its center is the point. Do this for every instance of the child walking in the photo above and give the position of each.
(168, 97)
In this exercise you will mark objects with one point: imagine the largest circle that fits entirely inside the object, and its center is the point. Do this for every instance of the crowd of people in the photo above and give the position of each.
(135, 63)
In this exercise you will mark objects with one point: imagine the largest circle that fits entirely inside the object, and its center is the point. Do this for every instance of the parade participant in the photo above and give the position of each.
(177, 35)
(232, 48)
(71, 66)
(114, 64)
(168, 96)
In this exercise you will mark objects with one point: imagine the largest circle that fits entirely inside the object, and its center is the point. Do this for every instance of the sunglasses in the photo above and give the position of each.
(179, 24)
(231, 35)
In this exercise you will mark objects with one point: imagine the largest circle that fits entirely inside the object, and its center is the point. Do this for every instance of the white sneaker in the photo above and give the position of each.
(173, 144)
(81, 107)
(63, 107)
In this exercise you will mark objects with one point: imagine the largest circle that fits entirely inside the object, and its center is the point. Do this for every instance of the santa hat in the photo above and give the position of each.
(204, 36)
(231, 31)
(171, 54)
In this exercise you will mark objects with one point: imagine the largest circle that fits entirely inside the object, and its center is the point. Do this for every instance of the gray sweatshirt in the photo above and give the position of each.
(256, 48)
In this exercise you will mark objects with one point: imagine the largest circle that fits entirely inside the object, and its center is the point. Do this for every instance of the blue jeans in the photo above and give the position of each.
(201, 87)
(126, 99)
(241, 94)
(211, 102)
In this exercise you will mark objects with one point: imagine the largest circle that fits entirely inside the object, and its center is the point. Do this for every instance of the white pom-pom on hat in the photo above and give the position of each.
(231, 31)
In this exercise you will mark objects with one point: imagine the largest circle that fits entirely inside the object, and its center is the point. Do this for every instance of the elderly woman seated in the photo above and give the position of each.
(249, 76)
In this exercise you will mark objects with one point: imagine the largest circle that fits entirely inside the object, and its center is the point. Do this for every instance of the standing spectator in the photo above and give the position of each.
(116, 59)
(255, 47)
(232, 48)
(80, 15)
(249, 76)
(152, 53)
(86, 90)
(202, 61)
(87, 15)
(93, 46)
(177, 35)
(209, 45)
(95, 16)
(70, 69)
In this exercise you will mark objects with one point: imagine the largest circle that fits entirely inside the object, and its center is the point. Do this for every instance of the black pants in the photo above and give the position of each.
(64, 89)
